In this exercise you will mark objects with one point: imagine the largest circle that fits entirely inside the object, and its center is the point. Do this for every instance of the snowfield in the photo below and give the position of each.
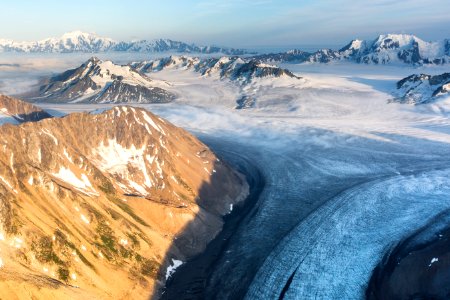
(347, 174)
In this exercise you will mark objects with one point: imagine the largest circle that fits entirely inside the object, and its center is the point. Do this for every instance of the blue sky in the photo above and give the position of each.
(239, 23)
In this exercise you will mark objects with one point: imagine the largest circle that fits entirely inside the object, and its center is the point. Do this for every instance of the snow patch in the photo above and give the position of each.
(433, 260)
(84, 219)
(82, 184)
(173, 267)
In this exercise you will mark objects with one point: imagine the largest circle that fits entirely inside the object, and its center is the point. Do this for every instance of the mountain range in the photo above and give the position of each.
(385, 49)
(97, 81)
(105, 205)
(237, 69)
(78, 41)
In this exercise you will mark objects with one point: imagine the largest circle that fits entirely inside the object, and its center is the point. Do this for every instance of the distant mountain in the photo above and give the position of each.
(98, 206)
(15, 111)
(422, 88)
(295, 56)
(385, 49)
(98, 81)
(237, 69)
(78, 41)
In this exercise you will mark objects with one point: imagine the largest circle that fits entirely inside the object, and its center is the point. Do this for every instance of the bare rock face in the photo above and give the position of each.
(98, 81)
(16, 111)
(98, 205)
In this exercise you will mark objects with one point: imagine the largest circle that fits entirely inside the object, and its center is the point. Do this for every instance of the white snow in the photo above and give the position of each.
(17, 242)
(66, 154)
(150, 121)
(5, 117)
(113, 158)
(173, 267)
(433, 260)
(82, 184)
(8, 184)
(55, 140)
(84, 219)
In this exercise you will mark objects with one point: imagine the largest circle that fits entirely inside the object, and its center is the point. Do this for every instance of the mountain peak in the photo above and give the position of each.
(76, 34)
(94, 60)
(101, 81)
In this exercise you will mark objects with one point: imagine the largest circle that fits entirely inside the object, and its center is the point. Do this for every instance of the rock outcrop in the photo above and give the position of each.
(422, 88)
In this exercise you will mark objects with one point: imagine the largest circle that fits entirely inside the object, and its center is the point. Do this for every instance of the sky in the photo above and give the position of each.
(235, 23)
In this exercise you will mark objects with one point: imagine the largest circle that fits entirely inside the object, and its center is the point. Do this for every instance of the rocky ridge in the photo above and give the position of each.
(422, 88)
(16, 111)
(104, 205)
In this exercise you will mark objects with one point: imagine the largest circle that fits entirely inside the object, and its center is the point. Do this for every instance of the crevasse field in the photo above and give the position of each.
(347, 174)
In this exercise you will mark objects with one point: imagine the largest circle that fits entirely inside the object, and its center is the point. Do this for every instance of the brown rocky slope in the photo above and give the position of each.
(20, 111)
(90, 204)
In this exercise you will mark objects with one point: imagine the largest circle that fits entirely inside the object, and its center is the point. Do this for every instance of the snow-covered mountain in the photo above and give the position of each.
(398, 48)
(422, 88)
(98, 81)
(237, 69)
(96, 206)
(78, 41)
(385, 49)
(15, 111)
